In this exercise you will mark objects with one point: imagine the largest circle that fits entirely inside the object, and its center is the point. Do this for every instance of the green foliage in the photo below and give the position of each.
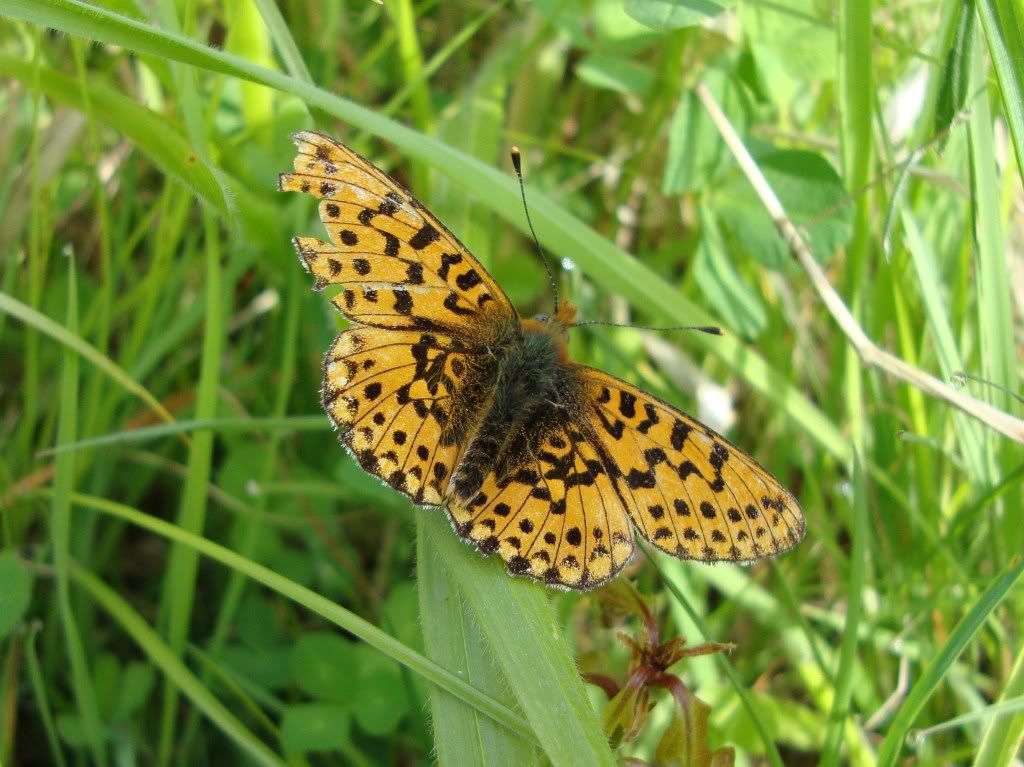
(193, 571)
(673, 14)
(15, 592)
(812, 194)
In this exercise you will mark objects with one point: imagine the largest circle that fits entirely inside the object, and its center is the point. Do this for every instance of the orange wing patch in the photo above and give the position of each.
(400, 267)
(689, 491)
(401, 399)
(556, 517)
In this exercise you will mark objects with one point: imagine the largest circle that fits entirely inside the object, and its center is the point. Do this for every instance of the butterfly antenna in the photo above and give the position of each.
(712, 330)
(517, 163)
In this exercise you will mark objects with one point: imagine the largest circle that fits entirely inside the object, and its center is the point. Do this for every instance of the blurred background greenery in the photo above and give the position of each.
(161, 361)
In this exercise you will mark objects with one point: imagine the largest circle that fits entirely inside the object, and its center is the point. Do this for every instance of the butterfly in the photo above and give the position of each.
(443, 391)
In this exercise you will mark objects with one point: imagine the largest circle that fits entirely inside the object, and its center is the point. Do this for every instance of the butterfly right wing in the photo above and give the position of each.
(551, 511)
(689, 491)
(405, 403)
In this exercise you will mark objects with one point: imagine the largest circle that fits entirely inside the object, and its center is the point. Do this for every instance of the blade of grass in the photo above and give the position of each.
(321, 606)
(223, 425)
(995, 711)
(60, 533)
(150, 132)
(856, 586)
(404, 20)
(72, 342)
(1003, 24)
(180, 578)
(283, 41)
(519, 624)
(562, 232)
(936, 670)
(35, 675)
(995, 323)
(249, 528)
(1003, 736)
(856, 103)
(462, 735)
(971, 439)
(167, 660)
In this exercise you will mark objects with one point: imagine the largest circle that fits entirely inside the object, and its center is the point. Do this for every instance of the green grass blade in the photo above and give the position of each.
(856, 586)
(222, 425)
(38, 683)
(971, 438)
(994, 712)
(1003, 23)
(61, 524)
(283, 40)
(168, 661)
(72, 342)
(518, 621)
(462, 735)
(939, 666)
(995, 322)
(1004, 734)
(321, 606)
(180, 579)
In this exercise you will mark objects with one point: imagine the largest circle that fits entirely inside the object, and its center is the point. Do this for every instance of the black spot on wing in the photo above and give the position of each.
(414, 273)
(451, 303)
(448, 260)
(390, 205)
(468, 280)
(403, 302)
(424, 237)
(680, 431)
(391, 244)
(627, 404)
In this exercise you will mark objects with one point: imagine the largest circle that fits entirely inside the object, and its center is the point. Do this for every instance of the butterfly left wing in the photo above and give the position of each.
(399, 266)
(689, 491)
(404, 402)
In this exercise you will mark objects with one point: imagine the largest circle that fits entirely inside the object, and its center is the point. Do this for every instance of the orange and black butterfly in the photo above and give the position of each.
(443, 391)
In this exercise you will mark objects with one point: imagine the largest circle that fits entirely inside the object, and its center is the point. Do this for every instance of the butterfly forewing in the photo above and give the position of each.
(398, 265)
(688, 490)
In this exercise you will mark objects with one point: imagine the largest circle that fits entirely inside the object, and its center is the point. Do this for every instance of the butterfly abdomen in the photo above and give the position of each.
(525, 379)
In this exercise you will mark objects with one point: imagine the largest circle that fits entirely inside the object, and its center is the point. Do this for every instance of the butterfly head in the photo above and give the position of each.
(559, 322)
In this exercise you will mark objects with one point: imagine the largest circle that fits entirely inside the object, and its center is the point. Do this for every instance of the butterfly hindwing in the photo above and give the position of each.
(688, 490)
(555, 514)
(405, 401)
(398, 265)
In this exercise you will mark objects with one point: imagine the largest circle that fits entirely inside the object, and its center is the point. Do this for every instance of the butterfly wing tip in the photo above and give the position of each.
(313, 137)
